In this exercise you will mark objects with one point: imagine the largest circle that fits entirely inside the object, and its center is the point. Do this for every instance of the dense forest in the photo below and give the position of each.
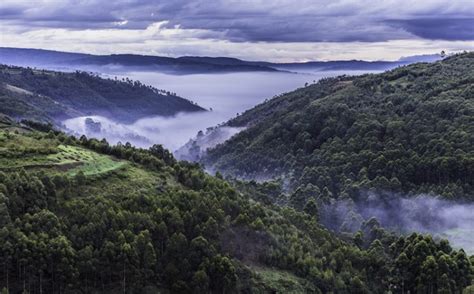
(28, 93)
(81, 216)
(409, 130)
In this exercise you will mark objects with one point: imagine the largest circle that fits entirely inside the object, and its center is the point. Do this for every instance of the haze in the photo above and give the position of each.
(405, 214)
(227, 94)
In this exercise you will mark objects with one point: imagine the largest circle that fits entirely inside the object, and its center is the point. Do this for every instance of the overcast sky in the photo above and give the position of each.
(280, 30)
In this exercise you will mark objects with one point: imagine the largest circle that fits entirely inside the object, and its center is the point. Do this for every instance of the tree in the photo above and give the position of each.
(200, 282)
(464, 269)
(428, 275)
(221, 273)
(359, 239)
(444, 285)
(146, 255)
(4, 212)
(402, 264)
(312, 209)
(80, 178)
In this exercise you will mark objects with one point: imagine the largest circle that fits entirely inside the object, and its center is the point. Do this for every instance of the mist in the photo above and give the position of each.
(172, 132)
(422, 213)
(227, 94)
(426, 214)
(194, 149)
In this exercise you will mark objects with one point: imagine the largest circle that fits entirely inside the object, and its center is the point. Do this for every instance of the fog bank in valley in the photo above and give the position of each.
(232, 93)
(226, 94)
(172, 132)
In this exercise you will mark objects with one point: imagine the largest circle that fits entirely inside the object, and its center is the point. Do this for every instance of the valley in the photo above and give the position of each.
(225, 95)
(322, 188)
(236, 147)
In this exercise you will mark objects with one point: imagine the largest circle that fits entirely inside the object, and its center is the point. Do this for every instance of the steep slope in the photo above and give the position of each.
(78, 215)
(407, 130)
(31, 93)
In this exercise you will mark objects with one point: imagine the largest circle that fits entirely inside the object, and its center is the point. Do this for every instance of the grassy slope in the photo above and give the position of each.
(21, 151)
(277, 281)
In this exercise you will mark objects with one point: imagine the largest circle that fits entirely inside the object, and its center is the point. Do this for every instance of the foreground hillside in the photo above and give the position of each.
(79, 215)
(49, 95)
(409, 130)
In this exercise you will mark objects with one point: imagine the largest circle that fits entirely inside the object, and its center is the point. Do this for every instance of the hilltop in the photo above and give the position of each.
(27, 93)
(408, 130)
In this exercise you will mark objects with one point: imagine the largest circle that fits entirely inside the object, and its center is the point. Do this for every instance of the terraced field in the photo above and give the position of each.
(277, 281)
(51, 156)
(75, 159)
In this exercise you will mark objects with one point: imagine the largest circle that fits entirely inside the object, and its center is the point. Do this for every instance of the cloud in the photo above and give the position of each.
(280, 30)
(258, 21)
(438, 28)
(157, 40)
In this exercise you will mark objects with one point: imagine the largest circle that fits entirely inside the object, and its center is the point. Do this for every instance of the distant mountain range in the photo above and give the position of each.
(186, 64)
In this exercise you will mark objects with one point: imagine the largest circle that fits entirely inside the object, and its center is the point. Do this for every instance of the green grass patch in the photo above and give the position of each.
(19, 151)
(277, 281)
(74, 159)
(98, 165)
(126, 179)
(469, 289)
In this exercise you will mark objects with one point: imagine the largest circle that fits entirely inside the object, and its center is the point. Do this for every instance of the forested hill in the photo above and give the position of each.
(185, 64)
(181, 65)
(410, 129)
(50, 95)
(81, 216)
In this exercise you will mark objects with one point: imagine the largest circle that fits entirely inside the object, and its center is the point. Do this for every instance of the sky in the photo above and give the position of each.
(278, 30)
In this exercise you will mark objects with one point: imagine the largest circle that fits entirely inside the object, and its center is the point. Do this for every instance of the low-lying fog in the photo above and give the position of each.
(423, 214)
(428, 214)
(229, 94)
(226, 93)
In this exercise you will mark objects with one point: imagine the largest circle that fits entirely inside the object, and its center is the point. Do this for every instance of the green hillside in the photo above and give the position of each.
(49, 95)
(79, 215)
(408, 130)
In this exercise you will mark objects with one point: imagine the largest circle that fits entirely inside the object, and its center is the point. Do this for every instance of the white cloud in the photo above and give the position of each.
(259, 30)
(157, 39)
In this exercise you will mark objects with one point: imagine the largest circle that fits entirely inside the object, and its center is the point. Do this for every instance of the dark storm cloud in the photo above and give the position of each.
(438, 28)
(10, 12)
(254, 21)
